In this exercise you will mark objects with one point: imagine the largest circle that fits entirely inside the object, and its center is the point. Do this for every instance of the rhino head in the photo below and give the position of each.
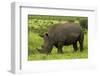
(47, 46)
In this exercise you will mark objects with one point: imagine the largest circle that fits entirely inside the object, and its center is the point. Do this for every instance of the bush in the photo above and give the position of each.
(84, 23)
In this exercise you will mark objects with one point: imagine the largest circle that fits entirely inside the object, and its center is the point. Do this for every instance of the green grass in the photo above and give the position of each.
(54, 56)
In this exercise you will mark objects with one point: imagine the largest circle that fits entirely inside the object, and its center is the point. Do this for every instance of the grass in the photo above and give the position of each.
(69, 55)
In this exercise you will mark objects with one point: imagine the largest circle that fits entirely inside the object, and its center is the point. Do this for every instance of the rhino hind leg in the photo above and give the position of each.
(81, 45)
(81, 40)
(75, 46)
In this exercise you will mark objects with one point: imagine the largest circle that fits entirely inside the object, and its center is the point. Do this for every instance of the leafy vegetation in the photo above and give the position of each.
(38, 26)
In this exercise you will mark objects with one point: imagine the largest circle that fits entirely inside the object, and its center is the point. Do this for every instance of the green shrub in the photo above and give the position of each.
(84, 23)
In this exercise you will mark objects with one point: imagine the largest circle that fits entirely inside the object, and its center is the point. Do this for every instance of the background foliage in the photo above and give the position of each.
(38, 26)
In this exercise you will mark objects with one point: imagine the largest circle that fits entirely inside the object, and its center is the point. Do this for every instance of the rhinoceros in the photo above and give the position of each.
(62, 34)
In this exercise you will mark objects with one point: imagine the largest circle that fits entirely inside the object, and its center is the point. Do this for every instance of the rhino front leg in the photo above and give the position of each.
(60, 46)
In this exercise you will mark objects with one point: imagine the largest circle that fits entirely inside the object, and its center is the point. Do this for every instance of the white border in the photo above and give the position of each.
(19, 38)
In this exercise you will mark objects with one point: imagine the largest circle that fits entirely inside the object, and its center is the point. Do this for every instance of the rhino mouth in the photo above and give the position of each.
(40, 50)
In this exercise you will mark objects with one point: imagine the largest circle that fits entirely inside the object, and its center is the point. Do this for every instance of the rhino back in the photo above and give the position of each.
(62, 32)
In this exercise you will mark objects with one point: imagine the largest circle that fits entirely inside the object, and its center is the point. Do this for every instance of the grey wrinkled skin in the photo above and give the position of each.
(61, 35)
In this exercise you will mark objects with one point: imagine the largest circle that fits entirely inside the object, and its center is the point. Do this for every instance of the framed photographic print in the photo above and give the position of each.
(52, 38)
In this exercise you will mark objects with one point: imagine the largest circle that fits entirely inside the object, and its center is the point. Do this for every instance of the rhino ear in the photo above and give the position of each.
(46, 34)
